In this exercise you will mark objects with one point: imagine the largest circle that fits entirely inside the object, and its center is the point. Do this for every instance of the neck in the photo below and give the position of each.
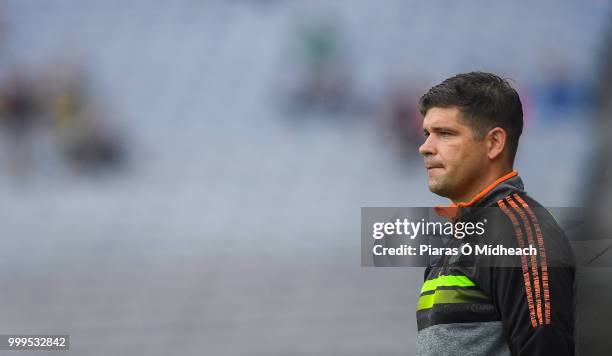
(481, 184)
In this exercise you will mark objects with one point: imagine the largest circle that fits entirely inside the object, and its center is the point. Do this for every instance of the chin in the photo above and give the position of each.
(434, 188)
(438, 190)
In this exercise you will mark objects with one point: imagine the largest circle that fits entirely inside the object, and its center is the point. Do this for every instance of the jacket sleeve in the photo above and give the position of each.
(534, 295)
(535, 324)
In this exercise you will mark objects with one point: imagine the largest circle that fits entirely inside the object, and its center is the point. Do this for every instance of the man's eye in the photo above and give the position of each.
(445, 133)
(426, 134)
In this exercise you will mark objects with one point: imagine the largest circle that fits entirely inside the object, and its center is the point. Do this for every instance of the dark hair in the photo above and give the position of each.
(485, 101)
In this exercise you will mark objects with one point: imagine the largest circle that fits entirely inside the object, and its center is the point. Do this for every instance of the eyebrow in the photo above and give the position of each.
(438, 129)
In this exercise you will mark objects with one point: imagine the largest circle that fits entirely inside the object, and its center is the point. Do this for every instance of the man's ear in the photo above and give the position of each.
(496, 142)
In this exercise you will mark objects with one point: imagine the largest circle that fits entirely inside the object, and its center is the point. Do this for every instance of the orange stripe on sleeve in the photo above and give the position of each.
(542, 252)
(526, 280)
(534, 259)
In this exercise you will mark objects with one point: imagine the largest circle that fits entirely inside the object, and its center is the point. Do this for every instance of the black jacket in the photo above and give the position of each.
(519, 305)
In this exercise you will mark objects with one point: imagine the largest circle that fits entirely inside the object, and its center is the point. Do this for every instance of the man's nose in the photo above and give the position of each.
(427, 147)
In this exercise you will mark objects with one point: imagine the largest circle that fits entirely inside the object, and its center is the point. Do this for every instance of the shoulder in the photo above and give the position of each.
(524, 221)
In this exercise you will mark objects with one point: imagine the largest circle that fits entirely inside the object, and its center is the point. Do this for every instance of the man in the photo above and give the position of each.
(484, 305)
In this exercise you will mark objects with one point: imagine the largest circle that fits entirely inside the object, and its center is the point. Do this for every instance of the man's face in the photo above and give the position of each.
(454, 157)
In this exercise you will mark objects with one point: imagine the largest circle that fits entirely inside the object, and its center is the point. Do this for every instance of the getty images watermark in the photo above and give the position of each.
(404, 228)
(419, 236)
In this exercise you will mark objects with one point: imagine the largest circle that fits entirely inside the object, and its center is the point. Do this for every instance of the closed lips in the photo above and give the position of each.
(430, 165)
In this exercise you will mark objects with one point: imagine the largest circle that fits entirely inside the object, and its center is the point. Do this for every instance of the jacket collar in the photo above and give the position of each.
(500, 188)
